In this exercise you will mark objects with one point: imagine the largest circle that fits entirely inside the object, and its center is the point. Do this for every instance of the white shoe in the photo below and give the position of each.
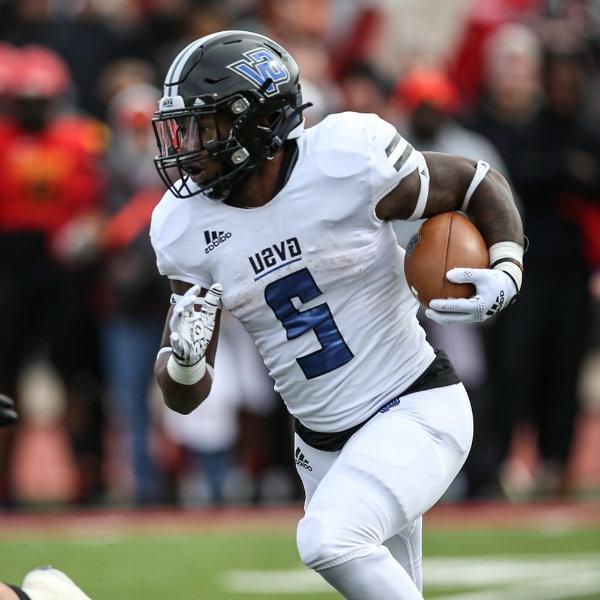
(47, 583)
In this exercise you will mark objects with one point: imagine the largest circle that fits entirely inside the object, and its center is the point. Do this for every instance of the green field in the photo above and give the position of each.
(461, 565)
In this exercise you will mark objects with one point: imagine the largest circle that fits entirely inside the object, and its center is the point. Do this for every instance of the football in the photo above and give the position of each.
(443, 242)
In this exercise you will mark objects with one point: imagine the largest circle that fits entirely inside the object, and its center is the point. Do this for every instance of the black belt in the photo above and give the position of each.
(439, 373)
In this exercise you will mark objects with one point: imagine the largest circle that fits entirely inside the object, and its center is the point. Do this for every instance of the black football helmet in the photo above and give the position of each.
(233, 96)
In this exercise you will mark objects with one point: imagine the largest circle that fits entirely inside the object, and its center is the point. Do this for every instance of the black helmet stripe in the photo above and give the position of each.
(174, 75)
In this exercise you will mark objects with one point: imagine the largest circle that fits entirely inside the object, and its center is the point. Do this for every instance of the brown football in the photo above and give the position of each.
(443, 242)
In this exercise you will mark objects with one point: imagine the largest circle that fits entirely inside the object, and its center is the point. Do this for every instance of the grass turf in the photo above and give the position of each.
(193, 567)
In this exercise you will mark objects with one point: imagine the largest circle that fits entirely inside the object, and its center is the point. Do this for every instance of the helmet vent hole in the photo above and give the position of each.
(213, 81)
(272, 48)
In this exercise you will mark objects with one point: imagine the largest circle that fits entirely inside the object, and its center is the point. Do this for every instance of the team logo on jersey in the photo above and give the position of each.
(260, 65)
(215, 239)
(414, 240)
(301, 460)
(275, 256)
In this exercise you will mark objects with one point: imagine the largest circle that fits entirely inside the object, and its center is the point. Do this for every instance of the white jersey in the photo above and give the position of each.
(315, 277)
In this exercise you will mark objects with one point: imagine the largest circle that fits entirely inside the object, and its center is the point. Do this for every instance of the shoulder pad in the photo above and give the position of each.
(169, 219)
(343, 142)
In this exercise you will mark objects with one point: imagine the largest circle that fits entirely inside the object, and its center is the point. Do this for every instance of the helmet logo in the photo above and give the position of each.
(260, 65)
(171, 103)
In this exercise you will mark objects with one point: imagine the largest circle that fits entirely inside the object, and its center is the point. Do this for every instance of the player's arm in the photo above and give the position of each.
(491, 205)
(445, 183)
(185, 362)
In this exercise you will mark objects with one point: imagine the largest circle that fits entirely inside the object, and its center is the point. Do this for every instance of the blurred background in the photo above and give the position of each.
(515, 82)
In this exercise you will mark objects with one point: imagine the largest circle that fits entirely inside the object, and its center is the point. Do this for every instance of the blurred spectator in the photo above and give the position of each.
(211, 434)
(298, 18)
(204, 19)
(541, 342)
(366, 90)
(8, 61)
(29, 22)
(81, 33)
(482, 21)
(430, 100)
(50, 191)
(513, 92)
(119, 75)
(88, 43)
(160, 23)
(136, 295)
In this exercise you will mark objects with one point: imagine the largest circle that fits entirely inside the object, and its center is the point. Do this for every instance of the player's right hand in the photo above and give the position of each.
(495, 290)
(191, 329)
(8, 414)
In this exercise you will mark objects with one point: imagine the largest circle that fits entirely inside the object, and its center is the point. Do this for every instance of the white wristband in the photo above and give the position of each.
(513, 271)
(186, 375)
(501, 250)
(503, 256)
(480, 173)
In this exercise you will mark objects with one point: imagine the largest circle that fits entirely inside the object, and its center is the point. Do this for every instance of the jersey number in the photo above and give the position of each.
(334, 352)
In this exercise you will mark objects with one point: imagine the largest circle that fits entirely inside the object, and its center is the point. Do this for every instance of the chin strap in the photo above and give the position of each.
(289, 124)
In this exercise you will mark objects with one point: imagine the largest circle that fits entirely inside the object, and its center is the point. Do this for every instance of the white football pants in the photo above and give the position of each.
(362, 525)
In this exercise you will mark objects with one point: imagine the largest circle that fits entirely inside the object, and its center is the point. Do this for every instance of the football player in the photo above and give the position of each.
(290, 230)
(44, 583)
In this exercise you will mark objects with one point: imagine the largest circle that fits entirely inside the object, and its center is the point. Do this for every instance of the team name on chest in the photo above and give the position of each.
(275, 255)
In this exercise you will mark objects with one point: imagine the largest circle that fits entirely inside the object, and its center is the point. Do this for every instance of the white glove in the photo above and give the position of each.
(494, 291)
(192, 330)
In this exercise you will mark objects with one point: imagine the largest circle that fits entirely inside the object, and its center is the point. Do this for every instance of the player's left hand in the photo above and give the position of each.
(8, 414)
(191, 330)
(494, 291)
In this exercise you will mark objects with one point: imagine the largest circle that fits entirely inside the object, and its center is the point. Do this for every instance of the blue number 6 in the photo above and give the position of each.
(334, 352)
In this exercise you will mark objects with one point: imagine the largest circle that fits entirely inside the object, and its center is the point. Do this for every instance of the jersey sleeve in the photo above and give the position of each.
(391, 157)
(168, 234)
(366, 152)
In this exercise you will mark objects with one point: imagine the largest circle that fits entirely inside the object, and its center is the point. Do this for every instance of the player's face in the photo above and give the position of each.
(194, 135)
